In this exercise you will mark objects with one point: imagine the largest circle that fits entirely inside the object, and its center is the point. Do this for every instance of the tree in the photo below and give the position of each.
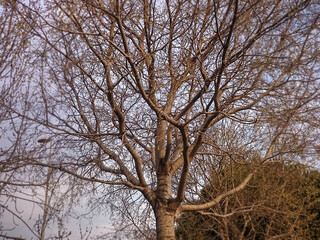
(136, 93)
(13, 65)
(19, 188)
(280, 202)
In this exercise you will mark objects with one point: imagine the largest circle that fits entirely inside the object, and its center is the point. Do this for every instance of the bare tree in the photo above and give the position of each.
(13, 65)
(19, 187)
(134, 92)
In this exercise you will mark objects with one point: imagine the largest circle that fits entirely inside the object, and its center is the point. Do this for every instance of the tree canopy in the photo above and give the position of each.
(144, 100)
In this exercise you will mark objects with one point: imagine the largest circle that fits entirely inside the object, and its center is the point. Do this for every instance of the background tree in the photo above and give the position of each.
(13, 65)
(136, 92)
(280, 202)
(21, 184)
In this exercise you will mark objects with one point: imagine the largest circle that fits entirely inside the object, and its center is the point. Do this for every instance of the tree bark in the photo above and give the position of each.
(165, 223)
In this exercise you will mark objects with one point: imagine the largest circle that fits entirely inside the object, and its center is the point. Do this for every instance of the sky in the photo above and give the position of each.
(99, 224)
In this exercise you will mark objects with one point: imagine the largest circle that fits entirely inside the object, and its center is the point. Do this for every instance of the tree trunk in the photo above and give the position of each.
(165, 224)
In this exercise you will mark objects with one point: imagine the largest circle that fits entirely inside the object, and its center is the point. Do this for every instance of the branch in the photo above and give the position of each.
(188, 208)
(185, 169)
(9, 237)
(24, 222)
